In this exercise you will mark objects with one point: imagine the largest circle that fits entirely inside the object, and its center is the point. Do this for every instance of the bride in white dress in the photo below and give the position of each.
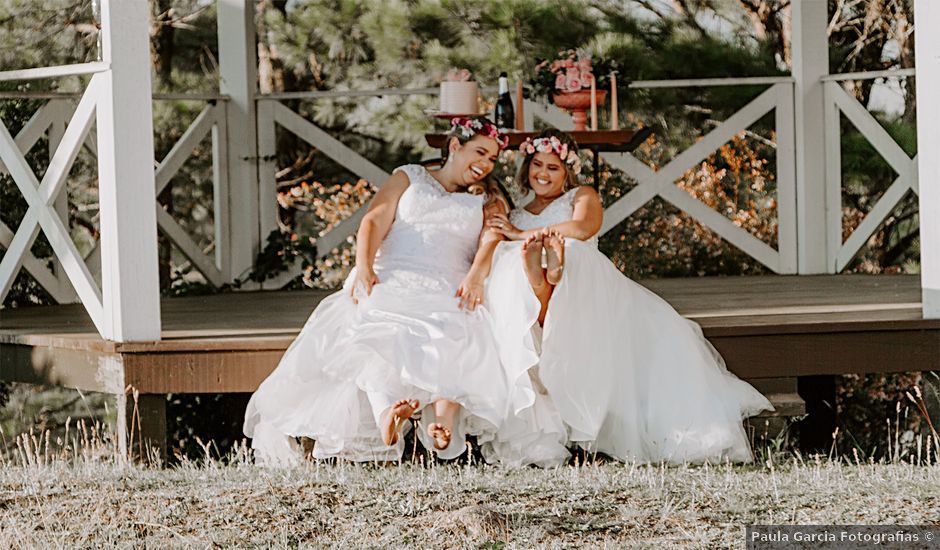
(404, 336)
(617, 370)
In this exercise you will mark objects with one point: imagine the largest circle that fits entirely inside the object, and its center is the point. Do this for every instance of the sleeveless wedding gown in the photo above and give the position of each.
(616, 369)
(407, 340)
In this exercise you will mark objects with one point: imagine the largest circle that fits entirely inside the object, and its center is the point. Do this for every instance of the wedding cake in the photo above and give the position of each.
(460, 98)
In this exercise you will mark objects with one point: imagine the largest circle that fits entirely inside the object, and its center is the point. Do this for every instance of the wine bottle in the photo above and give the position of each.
(504, 116)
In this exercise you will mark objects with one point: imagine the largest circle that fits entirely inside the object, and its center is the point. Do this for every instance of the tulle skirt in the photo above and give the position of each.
(625, 373)
(350, 363)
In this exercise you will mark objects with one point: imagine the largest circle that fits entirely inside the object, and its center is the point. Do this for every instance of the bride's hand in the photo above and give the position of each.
(501, 224)
(470, 292)
(367, 279)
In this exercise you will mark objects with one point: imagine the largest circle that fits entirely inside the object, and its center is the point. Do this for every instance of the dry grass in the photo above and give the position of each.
(71, 499)
(68, 489)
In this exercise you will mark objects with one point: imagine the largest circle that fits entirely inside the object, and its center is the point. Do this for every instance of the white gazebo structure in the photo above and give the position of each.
(112, 333)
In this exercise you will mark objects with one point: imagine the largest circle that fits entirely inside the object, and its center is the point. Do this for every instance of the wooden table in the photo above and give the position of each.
(620, 141)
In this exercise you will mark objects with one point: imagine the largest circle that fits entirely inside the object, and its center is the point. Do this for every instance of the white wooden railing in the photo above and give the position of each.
(54, 118)
(46, 208)
(778, 97)
(838, 101)
(68, 128)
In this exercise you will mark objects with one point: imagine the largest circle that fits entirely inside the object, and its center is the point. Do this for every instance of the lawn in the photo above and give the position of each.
(85, 498)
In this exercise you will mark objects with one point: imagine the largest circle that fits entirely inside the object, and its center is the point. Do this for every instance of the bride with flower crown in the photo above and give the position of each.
(614, 368)
(404, 336)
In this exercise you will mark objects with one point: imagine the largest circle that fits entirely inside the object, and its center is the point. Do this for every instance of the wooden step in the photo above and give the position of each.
(786, 404)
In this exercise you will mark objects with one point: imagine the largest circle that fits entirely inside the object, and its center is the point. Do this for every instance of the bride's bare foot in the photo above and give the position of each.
(395, 417)
(440, 434)
(554, 244)
(532, 260)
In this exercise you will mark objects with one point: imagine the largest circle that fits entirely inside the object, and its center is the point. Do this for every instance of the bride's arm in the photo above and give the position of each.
(585, 222)
(586, 219)
(375, 225)
(471, 288)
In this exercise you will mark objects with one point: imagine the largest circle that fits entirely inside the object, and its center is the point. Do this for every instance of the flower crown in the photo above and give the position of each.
(471, 126)
(552, 145)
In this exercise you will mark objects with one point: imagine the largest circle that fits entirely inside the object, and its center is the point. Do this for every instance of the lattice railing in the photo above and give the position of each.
(44, 210)
(839, 102)
(69, 128)
(778, 98)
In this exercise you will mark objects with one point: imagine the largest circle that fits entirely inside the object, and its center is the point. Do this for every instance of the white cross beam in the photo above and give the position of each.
(40, 196)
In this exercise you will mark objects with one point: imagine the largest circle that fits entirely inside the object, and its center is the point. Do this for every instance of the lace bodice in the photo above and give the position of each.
(435, 233)
(558, 211)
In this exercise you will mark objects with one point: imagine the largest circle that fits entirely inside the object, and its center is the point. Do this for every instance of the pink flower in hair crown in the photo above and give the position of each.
(471, 126)
(552, 145)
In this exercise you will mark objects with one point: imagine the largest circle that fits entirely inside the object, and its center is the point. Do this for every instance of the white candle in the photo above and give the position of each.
(593, 104)
(614, 122)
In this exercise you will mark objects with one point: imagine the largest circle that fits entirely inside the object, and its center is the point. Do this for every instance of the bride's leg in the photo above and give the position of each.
(395, 417)
(532, 260)
(544, 296)
(441, 431)
(554, 257)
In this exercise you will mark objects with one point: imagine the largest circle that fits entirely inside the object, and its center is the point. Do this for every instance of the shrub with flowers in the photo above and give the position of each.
(572, 71)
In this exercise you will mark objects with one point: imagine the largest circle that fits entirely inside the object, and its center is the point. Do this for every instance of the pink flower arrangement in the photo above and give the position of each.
(572, 71)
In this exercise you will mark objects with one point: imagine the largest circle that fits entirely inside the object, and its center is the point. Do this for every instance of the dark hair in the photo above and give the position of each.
(456, 132)
(571, 179)
(488, 186)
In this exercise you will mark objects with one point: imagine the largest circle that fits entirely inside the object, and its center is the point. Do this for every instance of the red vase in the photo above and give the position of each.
(578, 103)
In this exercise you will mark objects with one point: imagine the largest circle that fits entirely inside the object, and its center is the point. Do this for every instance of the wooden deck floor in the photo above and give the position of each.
(765, 327)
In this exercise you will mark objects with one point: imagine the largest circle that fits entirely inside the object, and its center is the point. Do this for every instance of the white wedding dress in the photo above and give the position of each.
(617, 370)
(407, 340)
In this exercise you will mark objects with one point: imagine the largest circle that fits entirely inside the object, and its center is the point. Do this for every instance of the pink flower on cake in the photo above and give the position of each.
(455, 75)
(561, 82)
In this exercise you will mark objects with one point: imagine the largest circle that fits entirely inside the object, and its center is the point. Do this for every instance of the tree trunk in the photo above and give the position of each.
(161, 41)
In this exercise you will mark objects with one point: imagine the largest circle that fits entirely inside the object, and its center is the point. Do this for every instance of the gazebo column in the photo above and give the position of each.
(927, 59)
(127, 192)
(238, 78)
(129, 277)
(810, 63)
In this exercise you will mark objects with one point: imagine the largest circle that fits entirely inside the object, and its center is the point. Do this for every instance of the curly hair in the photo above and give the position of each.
(571, 179)
(489, 187)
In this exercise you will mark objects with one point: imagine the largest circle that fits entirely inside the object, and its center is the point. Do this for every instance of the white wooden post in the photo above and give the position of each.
(810, 63)
(130, 281)
(238, 78)
(927, 58)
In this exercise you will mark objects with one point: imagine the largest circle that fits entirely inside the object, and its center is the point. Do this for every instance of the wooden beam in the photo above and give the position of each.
(54, 72)
(238, 79)
(770, 355)
(130, 280)
(145, 418)
(810, 64)
(787, 231)
(927, 54)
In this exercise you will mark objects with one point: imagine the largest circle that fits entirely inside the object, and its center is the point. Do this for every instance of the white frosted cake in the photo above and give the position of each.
(460, 98)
